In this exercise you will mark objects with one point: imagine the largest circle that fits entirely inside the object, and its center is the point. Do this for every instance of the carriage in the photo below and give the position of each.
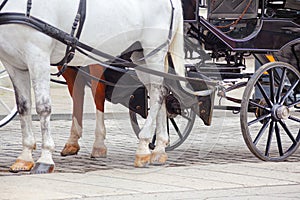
(216, 47)
(219, 44)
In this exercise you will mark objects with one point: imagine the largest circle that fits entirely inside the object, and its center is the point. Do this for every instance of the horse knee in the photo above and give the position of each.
(23, 105)
(43, 108)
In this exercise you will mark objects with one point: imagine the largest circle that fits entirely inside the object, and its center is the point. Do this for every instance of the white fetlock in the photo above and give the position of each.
(46, 157)
(143, 154)
(26, 155)
(159, 155)
(45, 163)
(99, 152)
(24, 162)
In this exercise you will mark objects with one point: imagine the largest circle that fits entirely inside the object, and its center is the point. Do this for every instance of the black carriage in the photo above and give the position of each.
(218, 45)
(269, 31)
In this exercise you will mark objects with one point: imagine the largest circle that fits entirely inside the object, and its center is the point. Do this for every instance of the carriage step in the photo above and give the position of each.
(220, 68)
(217, 71)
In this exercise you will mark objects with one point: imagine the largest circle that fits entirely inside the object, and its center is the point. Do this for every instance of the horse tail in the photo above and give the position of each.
(176, 48)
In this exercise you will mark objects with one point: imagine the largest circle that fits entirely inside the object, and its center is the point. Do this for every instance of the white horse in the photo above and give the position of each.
(110, 26)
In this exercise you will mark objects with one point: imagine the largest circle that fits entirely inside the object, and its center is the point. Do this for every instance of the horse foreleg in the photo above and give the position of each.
(98, 90)
(76, 86)
(21, 82)
(40, 77)
(159, 156)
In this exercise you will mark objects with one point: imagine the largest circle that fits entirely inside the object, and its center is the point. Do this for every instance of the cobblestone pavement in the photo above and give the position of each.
(221, 143)
(213, 163)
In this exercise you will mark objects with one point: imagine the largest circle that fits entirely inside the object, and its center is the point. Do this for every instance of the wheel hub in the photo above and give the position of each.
(280, 112)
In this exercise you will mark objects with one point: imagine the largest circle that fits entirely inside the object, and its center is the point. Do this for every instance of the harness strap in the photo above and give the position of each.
(77, 24)
(29, 5)
(3, 4)
(172, 19)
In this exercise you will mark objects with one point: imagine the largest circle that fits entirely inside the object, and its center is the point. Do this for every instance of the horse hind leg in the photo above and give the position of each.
(76, 86)
(159, 155)
(98, 89)
(21, 82)
(143, 153)
(155, 89)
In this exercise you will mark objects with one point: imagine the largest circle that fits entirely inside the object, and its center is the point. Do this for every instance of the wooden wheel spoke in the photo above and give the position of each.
(289, 92)
(7, 89)
(284, 126)
(258, 105)
(281, 85)
(261, 131)
(270, 136)
(296, 119)
(272, 87)
(293, 104)
(278, 139)
(176, 128)
(5, 106)
(263, 92)
(259, 119)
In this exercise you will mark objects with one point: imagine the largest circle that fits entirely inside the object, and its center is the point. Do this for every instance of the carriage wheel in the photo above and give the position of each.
(8, 108)
(270, 122)
(179, 127)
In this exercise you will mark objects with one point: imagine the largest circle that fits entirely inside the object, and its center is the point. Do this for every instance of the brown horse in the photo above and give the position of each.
(76, 84)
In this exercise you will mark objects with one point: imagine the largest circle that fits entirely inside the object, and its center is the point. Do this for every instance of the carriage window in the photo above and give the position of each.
(292, 4)
(232, 9)
(190, 10)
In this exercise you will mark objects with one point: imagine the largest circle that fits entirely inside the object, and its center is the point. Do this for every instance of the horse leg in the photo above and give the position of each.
(40, 78)
(98, 90)
(158, 155)
(76, 86)
(21, 83)
(155, 89)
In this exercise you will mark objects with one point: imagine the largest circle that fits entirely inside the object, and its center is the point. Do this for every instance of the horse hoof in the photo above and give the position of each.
(21, 166)
(100, 152)
(158, 158)
(70, 149)
(42, 168)
(142, 160)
